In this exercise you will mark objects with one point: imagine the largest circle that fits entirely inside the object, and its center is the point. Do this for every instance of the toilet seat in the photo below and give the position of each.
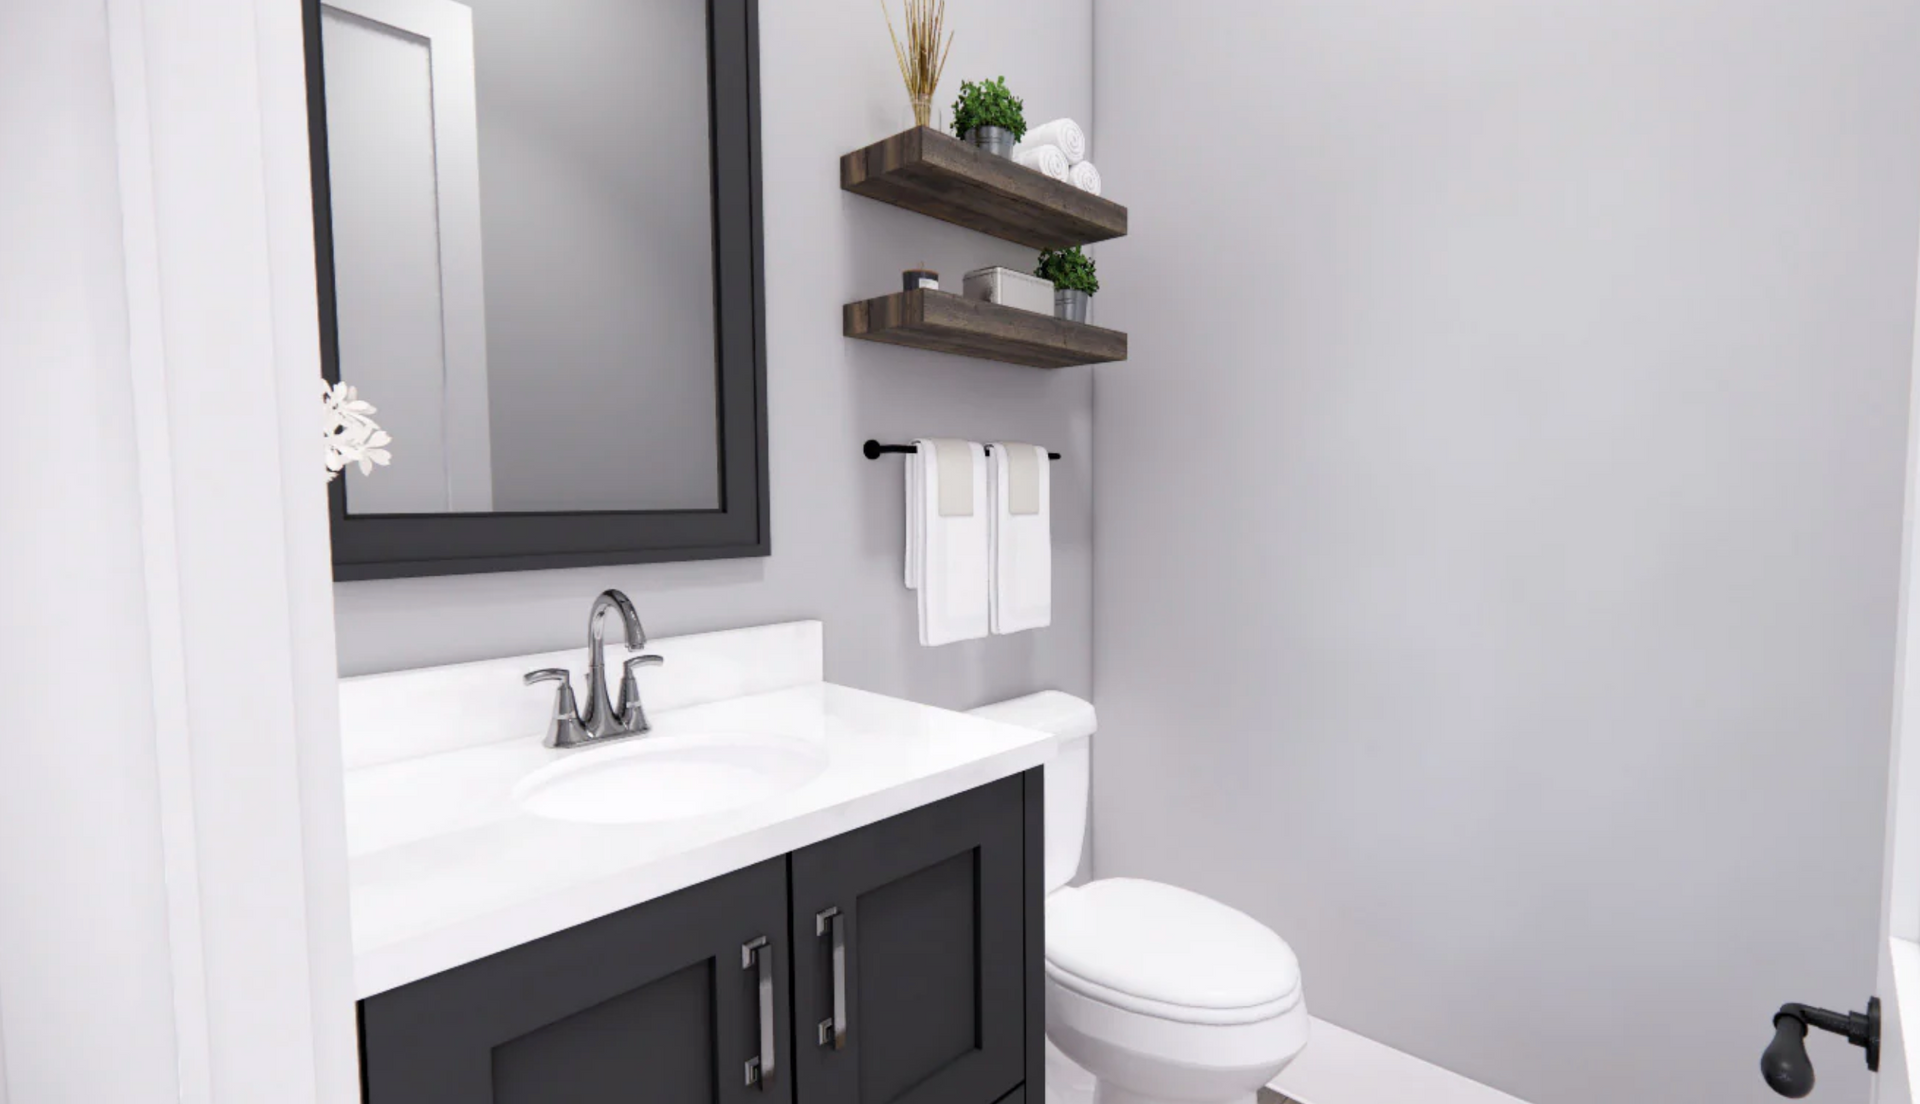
(1163, 1010)
(1172, 1059)
(1168, 953)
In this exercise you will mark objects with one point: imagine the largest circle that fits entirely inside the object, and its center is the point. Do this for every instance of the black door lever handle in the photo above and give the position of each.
(1785, 1064)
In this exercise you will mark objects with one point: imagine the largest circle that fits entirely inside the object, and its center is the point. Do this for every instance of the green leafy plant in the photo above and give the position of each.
(1069, 269)
(988, 103)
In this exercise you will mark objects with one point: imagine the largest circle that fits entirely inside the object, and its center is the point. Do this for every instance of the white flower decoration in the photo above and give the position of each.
(351, 436)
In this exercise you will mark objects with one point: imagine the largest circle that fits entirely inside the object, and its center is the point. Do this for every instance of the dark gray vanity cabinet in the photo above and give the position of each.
(909, 956)
(650, 1004)
(899, 963)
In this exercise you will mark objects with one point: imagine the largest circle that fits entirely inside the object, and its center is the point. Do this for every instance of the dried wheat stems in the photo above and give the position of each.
(924, 56)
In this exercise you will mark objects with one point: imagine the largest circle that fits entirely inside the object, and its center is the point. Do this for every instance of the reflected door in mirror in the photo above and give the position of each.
(523, 252)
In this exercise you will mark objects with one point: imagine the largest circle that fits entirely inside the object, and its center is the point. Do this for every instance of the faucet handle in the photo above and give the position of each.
(633, 716)
(552, 674)
(563, 728)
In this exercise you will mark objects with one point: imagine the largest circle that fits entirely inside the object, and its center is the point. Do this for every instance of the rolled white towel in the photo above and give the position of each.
(1046, 160)
(1064, 133)
(1085, 177)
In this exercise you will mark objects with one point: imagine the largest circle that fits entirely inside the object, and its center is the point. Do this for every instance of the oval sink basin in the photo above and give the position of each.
(660, 778)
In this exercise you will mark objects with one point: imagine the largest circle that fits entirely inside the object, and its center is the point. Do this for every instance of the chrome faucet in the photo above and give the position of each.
(602, 720)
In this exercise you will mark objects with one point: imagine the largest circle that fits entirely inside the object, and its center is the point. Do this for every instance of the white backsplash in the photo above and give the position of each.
(485, 702)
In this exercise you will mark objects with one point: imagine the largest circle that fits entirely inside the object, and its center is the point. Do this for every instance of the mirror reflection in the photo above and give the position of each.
(522, 229)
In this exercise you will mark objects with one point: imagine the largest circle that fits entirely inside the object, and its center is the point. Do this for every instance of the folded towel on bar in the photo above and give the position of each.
(948, 539)
(1064, 133)
(915, 482)
(1048, 160)
(1020, 508)
(1085, 177)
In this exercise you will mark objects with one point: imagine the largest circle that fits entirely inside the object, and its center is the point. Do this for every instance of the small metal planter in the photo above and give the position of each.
(1071, 305)
(992, 139)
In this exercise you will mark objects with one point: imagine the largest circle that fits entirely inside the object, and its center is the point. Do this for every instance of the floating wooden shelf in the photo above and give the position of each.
(948, 323)
(926, 171)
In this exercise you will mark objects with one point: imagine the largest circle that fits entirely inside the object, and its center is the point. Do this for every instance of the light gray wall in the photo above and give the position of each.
(829, 84)
(598, 230)
(1499, 517)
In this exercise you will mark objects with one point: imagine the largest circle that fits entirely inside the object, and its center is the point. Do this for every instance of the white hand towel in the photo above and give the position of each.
(1047, 160)
(1085, 177)
(955, 541)
(1064, 133)
(1022, 512)
(916, 541)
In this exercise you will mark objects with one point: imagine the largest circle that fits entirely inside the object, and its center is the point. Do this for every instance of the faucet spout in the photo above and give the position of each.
(629, 618)
(601, 719)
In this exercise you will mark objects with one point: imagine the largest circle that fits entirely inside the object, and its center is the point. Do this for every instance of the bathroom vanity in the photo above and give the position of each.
(787, 891)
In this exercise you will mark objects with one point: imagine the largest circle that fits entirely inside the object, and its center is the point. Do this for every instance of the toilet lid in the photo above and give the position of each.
(1166, 945)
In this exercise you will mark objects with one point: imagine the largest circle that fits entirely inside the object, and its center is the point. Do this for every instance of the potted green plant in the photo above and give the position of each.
(1073, 278)
(989, 116)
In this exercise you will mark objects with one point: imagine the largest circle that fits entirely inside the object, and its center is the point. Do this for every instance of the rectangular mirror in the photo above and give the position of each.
(538, 242)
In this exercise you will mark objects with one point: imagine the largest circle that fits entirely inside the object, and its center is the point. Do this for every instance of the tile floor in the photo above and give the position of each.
(1067, 1083)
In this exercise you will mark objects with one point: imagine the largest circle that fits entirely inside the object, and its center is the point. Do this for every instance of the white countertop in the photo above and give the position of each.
(446, 868)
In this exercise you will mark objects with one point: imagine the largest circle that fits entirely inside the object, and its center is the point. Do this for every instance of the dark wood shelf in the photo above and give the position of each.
(948, 323)
(937, 175)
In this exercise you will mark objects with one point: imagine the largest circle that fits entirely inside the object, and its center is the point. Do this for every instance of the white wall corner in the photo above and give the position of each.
(294, 301)
(210, 106)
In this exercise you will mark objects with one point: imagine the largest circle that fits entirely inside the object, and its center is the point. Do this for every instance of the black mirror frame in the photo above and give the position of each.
(384, 546)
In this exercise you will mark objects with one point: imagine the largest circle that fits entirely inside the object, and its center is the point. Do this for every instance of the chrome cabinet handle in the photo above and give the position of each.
(833, 1030)
(759, 955)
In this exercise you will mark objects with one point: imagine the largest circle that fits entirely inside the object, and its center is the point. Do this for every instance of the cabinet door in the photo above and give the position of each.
(658, 1003)
(926, 913)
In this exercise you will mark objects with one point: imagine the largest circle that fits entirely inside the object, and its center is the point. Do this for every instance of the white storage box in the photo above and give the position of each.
(1010, 289)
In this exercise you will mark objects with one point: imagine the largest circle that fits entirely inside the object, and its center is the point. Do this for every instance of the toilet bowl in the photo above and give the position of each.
(1160, 993)
(1163, 994)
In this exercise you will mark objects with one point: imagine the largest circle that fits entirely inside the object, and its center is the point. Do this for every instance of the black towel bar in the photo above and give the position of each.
(873, 450)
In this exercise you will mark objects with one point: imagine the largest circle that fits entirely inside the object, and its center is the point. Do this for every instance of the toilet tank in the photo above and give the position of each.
(1068, 774)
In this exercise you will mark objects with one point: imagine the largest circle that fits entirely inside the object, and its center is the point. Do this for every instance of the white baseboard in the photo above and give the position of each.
(1340, 1067)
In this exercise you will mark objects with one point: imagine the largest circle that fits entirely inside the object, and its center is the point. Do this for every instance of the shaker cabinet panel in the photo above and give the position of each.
(592, 1056)
(657, 1003)
(899, 963)
(909, 943)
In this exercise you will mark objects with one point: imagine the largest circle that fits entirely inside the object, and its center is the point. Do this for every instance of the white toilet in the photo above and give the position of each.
(1158, 992)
